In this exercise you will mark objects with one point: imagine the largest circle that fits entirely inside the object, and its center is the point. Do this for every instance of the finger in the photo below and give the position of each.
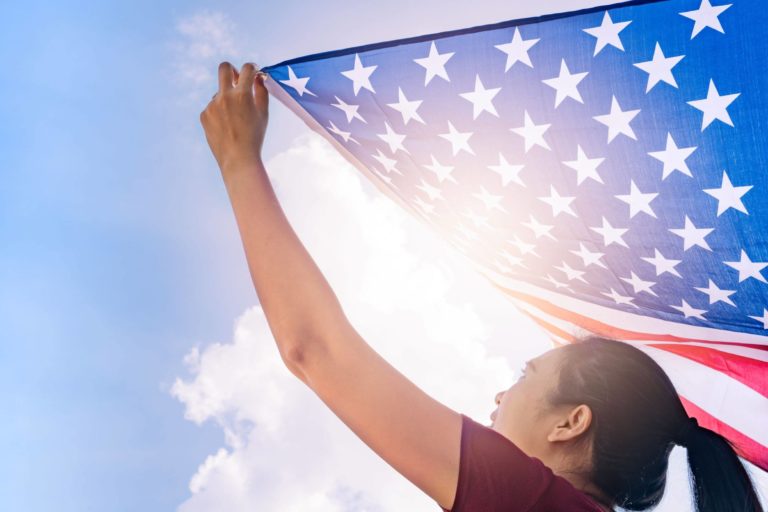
(247, 75)
(261, 90)
(225, 76)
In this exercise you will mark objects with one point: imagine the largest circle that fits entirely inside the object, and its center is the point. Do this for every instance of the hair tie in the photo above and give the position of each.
(683, 435)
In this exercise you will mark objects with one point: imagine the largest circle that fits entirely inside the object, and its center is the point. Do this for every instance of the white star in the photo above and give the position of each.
(610, 234)
(434, 64)
(571, 273)
(716, 294)
(468, 233)
(763, 318)
(407, 108)
(344, 135)
(706, 16)
(432, 192)
(349, 110)
(360, 75)
(513, 260)
(394, 139)
(481, 98)
(638, 285)
(489, 200)
(728, 196)
(503, 268)
(387, 163)
(660, 68)
(425, 207)
(689, 311)
(559, 204)
(300, 84)
(555, 282)
(637, 201)
(618, 298)
(458, 140)
(714, 106)
(607, 33)
(663, 264)
(532, 133)
(477, 220)
(585, 167)
(673, 158)
(566, 84)
(443, 172)
(539, 229)
(507, 171)
(692, 235)
(589, 258)
(523, 247)
(617, 121)
(517, 50)
(748, 268)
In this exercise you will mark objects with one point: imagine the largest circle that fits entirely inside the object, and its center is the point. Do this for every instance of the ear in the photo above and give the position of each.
(574, 424)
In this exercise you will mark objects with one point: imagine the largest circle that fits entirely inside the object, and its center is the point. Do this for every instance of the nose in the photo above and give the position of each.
(498, 397)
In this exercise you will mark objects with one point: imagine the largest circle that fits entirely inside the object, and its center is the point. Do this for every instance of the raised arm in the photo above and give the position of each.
(415, 434)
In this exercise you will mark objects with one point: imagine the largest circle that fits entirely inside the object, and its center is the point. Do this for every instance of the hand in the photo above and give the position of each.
(235, 120)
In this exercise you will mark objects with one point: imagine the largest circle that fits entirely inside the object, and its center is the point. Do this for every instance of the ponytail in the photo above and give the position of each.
(630, 451)
(719, 480)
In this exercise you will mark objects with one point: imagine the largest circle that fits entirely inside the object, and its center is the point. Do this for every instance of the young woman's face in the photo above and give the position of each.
(523, 414)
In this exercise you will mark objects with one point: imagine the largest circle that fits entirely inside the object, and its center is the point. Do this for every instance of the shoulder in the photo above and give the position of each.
(494, 474)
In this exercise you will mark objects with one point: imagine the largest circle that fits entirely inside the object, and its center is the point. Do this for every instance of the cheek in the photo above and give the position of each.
(513, 406)
(516, 417)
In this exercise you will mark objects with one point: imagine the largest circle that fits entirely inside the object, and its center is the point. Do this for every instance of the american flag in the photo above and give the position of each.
(606, 169)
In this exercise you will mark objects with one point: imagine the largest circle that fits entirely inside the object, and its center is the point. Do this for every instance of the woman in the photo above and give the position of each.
(590, 426)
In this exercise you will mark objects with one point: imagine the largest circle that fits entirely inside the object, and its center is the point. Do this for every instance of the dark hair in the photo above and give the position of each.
(637, 418)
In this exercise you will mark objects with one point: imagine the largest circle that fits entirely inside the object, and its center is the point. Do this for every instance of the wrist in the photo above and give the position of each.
(238, 166)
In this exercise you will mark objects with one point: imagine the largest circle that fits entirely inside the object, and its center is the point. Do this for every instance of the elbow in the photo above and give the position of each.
(294, 357)
(302, 358)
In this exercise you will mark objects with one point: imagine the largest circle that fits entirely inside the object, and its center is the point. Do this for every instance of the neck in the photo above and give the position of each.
(588, 488)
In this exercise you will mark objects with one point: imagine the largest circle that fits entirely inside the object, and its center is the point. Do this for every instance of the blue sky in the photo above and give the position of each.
(120, 259)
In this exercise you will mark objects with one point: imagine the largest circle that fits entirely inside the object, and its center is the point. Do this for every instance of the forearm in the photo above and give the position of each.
(299, 304)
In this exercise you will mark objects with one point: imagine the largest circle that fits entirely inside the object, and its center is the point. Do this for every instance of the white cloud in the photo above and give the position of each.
(200, 42)
(412, 299)
(437, 322)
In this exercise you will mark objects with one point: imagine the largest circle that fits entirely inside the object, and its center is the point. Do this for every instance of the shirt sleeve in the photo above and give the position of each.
(497, 476)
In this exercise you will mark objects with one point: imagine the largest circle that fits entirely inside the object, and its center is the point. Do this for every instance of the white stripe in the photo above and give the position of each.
(621, 319)
(571, 328)
(751, 353)
(726, 399)
(722, 396)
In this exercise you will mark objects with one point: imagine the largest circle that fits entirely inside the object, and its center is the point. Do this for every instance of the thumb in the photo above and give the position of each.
(261, 94)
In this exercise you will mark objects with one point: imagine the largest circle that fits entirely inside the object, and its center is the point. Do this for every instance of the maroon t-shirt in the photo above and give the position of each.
(497, 476)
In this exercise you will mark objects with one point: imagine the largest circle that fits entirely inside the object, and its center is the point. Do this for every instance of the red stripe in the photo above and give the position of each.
(748, 371)
(551, 328)
(607, 330)
(745, 446)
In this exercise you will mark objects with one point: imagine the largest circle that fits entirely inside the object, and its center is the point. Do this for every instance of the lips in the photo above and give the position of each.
(493, 415)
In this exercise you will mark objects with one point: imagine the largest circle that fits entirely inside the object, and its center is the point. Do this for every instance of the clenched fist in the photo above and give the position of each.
(235, 120)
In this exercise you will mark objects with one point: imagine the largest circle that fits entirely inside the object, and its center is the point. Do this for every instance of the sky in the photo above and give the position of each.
(137, 371)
